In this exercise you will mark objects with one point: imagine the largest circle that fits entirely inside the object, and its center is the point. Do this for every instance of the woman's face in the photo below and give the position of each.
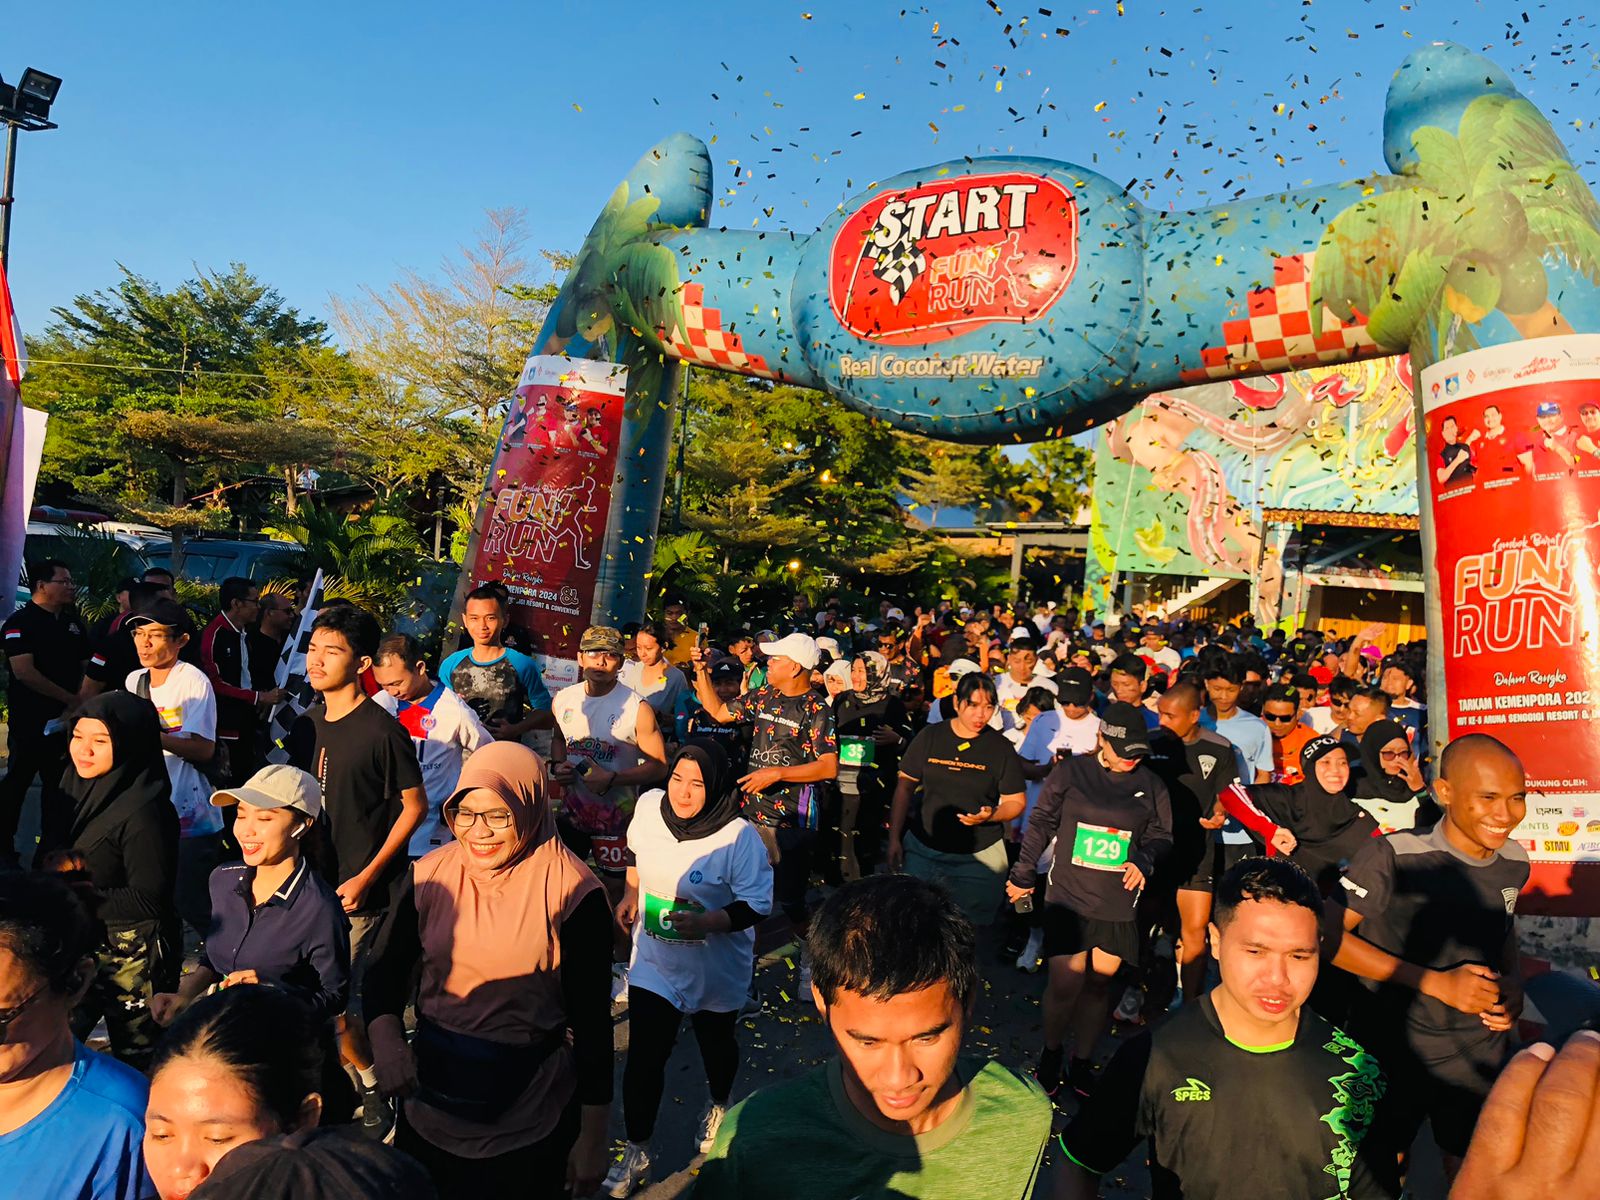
(1333, 771)
(1395, 754)
(266, 835)
(489, 847)
(976, 712)
(91, 749)
(198, 1111)
(39, 1028)
(647, 648)
(686, 789)
(834, 684)
(858, 674)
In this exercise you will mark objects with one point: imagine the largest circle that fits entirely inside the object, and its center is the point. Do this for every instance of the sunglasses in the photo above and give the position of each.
(1277, 717)
(8, 1015)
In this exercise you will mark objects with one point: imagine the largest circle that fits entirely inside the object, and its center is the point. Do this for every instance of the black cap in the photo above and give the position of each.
(320, 1164)
(161, 612)
(1123, 726)
(1075, 684)
(727, 668)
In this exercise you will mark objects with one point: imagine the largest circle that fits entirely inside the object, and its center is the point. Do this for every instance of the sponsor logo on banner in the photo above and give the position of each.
(923, 264)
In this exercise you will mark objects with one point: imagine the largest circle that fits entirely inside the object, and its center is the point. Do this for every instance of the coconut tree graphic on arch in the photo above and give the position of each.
(1469, 229)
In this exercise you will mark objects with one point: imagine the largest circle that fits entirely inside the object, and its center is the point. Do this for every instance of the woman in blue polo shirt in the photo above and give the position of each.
(274, 920)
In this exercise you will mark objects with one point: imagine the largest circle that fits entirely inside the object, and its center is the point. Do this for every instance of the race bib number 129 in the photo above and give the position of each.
(1099, 847)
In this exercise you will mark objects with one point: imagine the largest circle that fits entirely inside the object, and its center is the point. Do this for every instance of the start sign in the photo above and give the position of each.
(926, 263)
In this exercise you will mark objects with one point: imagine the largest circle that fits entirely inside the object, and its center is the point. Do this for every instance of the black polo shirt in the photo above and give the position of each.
(299, 939)
(59, 644)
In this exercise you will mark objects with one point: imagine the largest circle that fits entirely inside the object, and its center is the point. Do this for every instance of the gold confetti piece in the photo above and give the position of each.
(1100, 107)
(860, 96)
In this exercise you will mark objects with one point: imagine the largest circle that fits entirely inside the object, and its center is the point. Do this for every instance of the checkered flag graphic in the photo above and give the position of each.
(899, 264)
(291, 676)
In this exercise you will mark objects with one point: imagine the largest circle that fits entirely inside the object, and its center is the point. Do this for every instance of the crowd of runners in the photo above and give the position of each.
(385, 954)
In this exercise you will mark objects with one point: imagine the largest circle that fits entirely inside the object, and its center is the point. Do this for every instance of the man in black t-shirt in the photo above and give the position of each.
(1431, 925)
(1245, 1092)
(372, 798)
(972, 786)
(45, 646)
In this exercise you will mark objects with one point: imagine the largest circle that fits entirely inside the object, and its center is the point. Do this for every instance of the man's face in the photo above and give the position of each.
(599, 667)
(1551, 423)
(1591, 419)
(782, 670)
(1152, 640)
(1127, 688)
(1485, 798)
(743, 649)
(1097, 634)
(1224, 693)
(1363, 712)
(888, 647)
(1021, 663)
(1267, 954)
(277, 616)
(331, 662)
(726, 687)
(485, 621)
(1396, 683)
(158, 645)
(1177, 714)
(1308, 697)
(1280, 716)
(898, 1054)
(246, 608)
(402, 680)
(1491, 419)
(58, 591)
(675, 614)
(1339, 707)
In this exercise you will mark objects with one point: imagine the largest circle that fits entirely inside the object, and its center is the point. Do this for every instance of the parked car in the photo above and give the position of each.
(99, 555)
(210, 560)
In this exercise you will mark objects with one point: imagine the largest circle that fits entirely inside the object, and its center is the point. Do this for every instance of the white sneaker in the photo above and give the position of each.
(619, 983)
(1028, 960)
(629, 1174)
(710, 1122)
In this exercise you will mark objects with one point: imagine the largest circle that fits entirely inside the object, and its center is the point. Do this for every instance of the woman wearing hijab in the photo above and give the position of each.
(508, 1080)
(872, 726)
(1326, 826)
(1391, 789)
(700, 884)
(125, 830)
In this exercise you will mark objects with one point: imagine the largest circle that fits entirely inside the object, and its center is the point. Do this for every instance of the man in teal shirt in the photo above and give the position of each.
(899, 1112)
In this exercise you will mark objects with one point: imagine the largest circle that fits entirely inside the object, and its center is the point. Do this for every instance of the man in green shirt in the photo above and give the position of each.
(899, 1113)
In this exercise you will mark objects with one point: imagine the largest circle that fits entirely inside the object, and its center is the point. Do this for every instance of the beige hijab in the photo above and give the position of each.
(491, 937)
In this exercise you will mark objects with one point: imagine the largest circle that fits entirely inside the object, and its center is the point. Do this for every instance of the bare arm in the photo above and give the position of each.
(647, 734)
(716, 710)
(413, 811)
(188, 747)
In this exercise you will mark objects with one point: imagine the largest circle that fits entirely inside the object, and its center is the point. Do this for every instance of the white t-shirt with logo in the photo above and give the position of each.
(1051, 732)
(444, 730)
(710, 974)
(602, 731)
(186, 707)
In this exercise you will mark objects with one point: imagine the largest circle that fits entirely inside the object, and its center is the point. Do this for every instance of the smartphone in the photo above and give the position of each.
(703, 638)
(1024, 906)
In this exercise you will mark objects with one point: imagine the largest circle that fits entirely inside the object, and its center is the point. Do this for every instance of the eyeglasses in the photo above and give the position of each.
(1276, 717)
(8, 1015)
(462, 822)
(1394, 755)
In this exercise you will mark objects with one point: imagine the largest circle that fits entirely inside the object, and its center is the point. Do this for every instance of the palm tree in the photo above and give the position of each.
(1464, 232)
(374, 560)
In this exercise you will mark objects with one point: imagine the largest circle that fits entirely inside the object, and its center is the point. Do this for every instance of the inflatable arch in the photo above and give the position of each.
(1018, 298)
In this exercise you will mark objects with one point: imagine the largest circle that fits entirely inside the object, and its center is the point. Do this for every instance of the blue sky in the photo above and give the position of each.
(331, 146)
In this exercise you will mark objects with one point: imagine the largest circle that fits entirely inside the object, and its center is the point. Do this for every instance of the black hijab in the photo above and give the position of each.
(138, 774)
(721, 804)
(1377, 782)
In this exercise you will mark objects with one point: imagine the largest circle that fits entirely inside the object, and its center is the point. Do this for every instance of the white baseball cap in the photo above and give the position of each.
(963, 666)
(797, 647)
(277, 785)
(831, 645)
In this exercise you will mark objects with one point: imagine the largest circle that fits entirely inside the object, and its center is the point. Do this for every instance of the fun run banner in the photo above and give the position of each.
(1512, 446)
(549, 502)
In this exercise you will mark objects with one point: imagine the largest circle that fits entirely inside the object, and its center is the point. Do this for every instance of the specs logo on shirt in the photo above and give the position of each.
(1192, 1089)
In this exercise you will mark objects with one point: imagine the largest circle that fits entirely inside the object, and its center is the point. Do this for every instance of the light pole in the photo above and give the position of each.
(25, 106)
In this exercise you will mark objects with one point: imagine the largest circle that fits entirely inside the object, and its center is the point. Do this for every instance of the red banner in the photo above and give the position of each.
(549, 500)
(1512, 450)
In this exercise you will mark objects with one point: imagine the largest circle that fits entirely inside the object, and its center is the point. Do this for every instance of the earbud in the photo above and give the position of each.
(299, 832)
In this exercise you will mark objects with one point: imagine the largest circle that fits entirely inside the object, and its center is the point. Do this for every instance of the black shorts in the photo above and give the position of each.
(1214, 865)
(1449, 1094)
(1065, 932)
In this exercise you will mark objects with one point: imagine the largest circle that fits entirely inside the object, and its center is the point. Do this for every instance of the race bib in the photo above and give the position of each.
(658, 919)
(1099, 847)
(610, 852)
(857, 752)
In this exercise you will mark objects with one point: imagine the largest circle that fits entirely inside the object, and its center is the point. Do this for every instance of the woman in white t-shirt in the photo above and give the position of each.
(700, 884)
